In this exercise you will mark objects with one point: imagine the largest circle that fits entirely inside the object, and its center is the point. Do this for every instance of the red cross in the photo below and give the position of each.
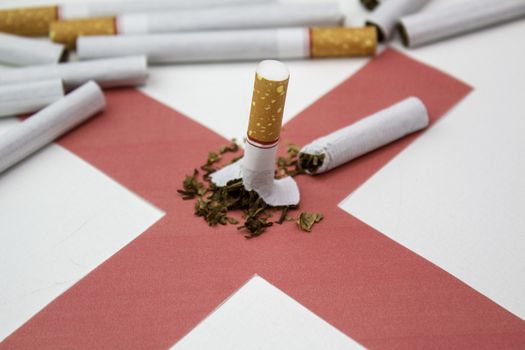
(154, 290)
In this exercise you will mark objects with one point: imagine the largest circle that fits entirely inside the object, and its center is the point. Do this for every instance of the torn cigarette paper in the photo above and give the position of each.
(368, 134)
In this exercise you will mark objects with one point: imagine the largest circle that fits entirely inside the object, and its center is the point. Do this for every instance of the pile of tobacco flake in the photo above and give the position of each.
(215, 204)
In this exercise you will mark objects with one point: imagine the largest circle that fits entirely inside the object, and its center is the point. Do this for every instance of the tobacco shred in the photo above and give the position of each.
(215, 203)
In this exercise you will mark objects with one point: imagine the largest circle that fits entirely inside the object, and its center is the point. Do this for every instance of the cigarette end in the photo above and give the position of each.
(67, 32)
(342, 42)
(269, 96)
(31, 21)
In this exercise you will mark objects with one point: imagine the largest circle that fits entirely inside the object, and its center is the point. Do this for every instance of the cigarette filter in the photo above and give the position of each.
(20, 51)
(29, 97)
(53, 121)
(388, 13)
(368, 134)
(232, 17)
(234, 45)
(429, 26)
(34, 21)
(31, 21)
(107, 73)
(257, 167)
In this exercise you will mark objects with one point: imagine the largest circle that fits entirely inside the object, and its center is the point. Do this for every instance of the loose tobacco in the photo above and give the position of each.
(214, 204)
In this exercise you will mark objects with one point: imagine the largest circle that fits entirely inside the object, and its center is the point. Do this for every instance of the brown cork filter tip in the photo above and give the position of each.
(67, 32)
(342, 42)
(31, 21)
(269, 96)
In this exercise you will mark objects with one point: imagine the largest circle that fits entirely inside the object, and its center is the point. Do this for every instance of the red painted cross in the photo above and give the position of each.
(153, 291)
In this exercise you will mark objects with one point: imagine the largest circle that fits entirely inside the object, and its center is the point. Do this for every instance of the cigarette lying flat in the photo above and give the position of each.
(429, 26)
(36, 20)
(19, 51)
(29, 97)
(257, 167)
(53, 121)
(231, 17)
(366, 135)
(107, 73)
(387, 15)
(235, 45)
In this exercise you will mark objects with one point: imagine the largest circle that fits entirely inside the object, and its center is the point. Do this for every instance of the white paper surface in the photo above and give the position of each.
(194, 47)
(107, 73)
(260, 316)
(432, 25)
(29, 97)
(59, 219)
(21, 51)
(53, 121)
(387, 15)
(270, 15)
(369, 133)
(110, 8)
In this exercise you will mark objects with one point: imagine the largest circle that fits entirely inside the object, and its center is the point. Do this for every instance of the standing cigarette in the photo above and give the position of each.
(257, 167)
(29, 97)
(20, 51)
(429, 26)
(35, 21)
(366, 135)
(234, 45)
(233, 17)
(107, 73)
(42, 128)
(387, 15)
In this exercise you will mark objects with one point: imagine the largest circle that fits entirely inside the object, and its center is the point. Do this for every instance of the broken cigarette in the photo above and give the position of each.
(53, 121)
(231, 17)
(430, 26)
(387, 15)
(366, 135)
(234, 45)
(29, 97)
(257, 167)
(107, 73)
(19, 51)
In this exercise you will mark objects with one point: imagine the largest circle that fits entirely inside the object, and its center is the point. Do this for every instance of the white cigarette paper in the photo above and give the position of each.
(257, 167)
(29, 97)
(19, 51)
(470, 15)
(107, 73)
(110, 8)
(232, 17)
(53, 121)
(387, 15)
(368, 134)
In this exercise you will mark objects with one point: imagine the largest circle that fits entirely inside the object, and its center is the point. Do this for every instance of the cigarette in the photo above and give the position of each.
(232, 17)
(366, 135)
(234, 45)
(29, 97)
(35, 21)
(19, 51)
(107, 73)
(387, 15)
(257, 167)
(468, 16)
(53, 121)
